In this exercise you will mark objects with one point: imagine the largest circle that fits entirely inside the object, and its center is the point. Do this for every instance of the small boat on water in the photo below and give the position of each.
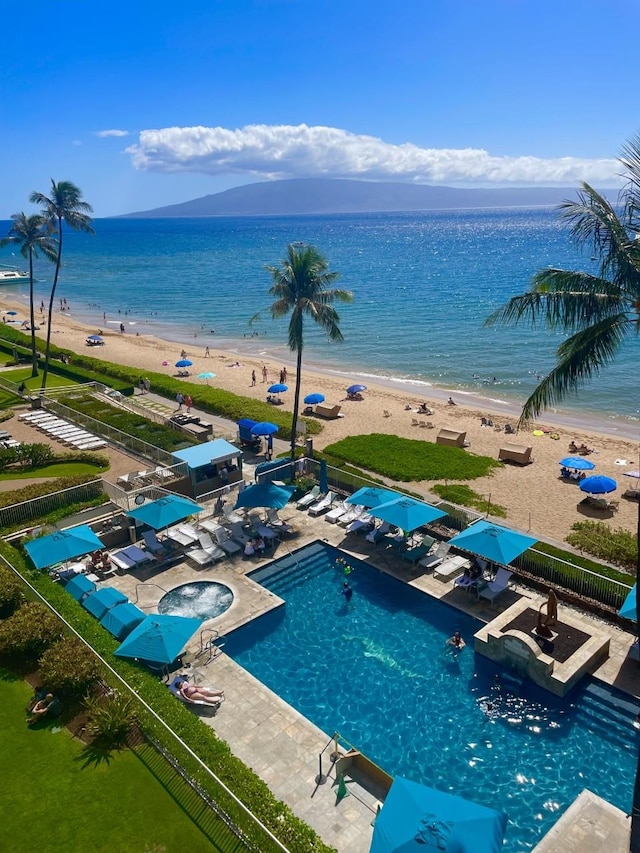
(9, 274)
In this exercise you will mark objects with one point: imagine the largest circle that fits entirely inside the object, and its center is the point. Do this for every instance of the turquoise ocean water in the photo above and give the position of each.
(423, 285)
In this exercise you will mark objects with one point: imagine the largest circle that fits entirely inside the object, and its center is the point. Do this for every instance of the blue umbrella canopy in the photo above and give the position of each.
(102, 600)
(579, 463)
(159, 639)
(371, 496)
(122, 619)
(63, 545)
(417, 819)
(313, 399)
(265, 494)
(208, 374)
(164, 511)
(184, 362)
(278, 388)
(79, 586)
(356, 389)
(598, 485)
(493, 542)
(407, 513)
(97, 338)
(264, 428)
(628, 609)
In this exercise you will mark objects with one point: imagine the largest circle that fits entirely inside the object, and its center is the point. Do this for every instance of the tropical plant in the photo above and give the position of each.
(599, 311)
(301, 287)
(110, 719)
(31, 235)
(65, 204)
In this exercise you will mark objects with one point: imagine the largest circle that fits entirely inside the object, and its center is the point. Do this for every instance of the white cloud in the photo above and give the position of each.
(284, 151)
(103, 134)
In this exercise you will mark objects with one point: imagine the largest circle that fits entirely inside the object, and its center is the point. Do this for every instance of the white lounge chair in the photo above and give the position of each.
(451, 566)
(499, 584)
(335, 513)
(434, 558)
(378, 532)
(351, 515)
(361, 523)
(309, 498)
(231, 515)
(207, 544)
(323, 505)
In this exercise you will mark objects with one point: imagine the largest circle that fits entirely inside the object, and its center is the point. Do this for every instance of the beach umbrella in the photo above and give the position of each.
(265, 494)
(407, 513)
(79, 586)
(278, 388)
(63, 545)
(323, 483)
(356, 389)
(493, 542)
(122, 619)
(635, 474)
(579, 463)
(598, 485)
(628, 609)
(264, 428)
(11, 313)
(417, 819)
(102, 600)
(164, 511)
(158, 639)
(371, 496)
(207, 375)
(314, 399)
(184, 362)
(95, 338)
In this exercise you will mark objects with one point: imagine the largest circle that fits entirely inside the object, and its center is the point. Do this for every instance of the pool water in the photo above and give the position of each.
(378, 670)
(199, 600)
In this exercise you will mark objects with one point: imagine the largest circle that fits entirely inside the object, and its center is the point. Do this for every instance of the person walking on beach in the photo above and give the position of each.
(253, 377)
(179, 400)
(122, 328)
(188, 401)
(206, 352)
(265, 375)
(284, 375)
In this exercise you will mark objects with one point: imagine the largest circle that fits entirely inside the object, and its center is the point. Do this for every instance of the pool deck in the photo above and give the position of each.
(283, 747)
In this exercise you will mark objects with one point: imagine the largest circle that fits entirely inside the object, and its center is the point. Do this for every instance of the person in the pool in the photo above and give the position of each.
(456, 641)
(347, 591)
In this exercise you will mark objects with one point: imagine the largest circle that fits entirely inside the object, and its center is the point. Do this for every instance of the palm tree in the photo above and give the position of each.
(599, 311)
(31, 235)
(301, 287)
(65, 204)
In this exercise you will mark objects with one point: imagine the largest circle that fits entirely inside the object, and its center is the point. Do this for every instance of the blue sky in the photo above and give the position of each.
(143, 104)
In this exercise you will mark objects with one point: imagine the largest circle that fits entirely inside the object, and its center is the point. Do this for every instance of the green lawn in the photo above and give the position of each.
(23, 374)
(56, 469)
(56, 797)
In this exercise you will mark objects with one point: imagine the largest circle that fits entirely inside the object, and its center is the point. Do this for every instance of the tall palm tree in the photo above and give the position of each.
(599, 311)
(31, 235)
(301, 287)
(65, 204)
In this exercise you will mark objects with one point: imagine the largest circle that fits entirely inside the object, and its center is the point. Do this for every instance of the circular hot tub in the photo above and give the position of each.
(198, 600)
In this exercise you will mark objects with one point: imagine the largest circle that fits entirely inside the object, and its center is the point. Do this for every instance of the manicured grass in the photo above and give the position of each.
(23, 374)
(58, 796)
(57, 469)
(406, 460)
(462, 495)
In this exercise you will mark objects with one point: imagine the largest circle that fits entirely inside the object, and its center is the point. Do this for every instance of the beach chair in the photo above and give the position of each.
(174, 687)
(238, 534)
(352, 513)
(152, 542)
(435, 557)
(226, 543)
(413, 555)
(451, 566)
(309, 498)
(498, 585)
(207, 544)
(231, 515)
(378, 533)
(336, 513)
(386, 413)
(323, 505)
(360, 524)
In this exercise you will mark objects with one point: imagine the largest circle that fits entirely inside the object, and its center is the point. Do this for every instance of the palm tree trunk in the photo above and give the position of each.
(296, 406)
(634, 846)
(34, 354)
(51, 298)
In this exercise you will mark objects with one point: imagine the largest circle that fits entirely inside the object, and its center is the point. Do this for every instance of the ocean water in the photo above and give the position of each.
(423, 285)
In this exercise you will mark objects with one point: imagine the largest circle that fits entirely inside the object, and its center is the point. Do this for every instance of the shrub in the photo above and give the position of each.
(461, 494)
(618, 546)
(69, 666)
(11, 594)
(36, 490)
(110, 719)
(29, 632)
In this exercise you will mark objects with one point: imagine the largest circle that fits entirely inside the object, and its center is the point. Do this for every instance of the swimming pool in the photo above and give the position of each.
(199, 600)
(378, 671)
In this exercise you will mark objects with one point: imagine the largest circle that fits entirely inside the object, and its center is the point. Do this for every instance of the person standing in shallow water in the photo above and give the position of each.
(347, 591)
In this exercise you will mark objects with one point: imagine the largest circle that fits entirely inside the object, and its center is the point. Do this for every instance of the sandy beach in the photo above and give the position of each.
(536, 498)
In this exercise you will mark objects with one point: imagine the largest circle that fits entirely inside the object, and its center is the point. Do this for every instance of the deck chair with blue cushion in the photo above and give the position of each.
(309, 498)
(419, 551)
(378, 533)
(152, 542)
(499, 584)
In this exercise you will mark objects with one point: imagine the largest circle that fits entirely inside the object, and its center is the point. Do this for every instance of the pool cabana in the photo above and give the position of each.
(206, 461)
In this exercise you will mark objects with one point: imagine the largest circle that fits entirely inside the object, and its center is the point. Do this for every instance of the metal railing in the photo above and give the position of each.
(26, 511)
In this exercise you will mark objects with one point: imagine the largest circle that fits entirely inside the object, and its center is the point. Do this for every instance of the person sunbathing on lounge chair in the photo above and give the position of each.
(198, 693)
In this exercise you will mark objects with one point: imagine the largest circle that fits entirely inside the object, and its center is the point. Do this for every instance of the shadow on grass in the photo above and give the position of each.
(94, 754)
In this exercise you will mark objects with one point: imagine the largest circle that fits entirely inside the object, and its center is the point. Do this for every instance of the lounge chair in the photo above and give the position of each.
(209, 547)
(323, 505)
(360, 524)
(281, 527)
(352, 513)
(231, 515)
(499, 584)
(174, 687)
(226, 543)
(238, 534)
(309, 498)
(152, 542)
(130, 557)
(386, 413)
(451, 566)
(415, 422)
(336, 513)
(378, 533)
(413, 555)
(435, 557)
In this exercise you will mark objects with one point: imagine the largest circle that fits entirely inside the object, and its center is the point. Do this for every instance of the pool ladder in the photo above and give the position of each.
(211, 645)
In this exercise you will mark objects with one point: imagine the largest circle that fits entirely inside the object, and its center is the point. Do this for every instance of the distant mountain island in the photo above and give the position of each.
(324, 195)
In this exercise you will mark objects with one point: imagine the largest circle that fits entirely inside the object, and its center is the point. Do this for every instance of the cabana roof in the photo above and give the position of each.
(209, 453)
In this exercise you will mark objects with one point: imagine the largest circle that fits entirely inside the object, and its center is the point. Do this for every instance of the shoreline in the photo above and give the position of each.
(535, 497)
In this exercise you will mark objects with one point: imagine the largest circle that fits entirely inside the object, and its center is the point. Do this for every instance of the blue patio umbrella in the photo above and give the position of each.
(578, 463)
(122, 619)
(96, 338)
(322, 479)
(184, 362)
(278, 388)
(265, 494)
(628, 609)
(356, 389)
(371, 496)
(79, 586)
(417, 819)
(102, 600)
(164, 511)
(493, 542)
(407, 513)
(598, 485)
(264, 428)
(159, 639)
(11, 313)
(208, 374)
(63, 545)
(314, 399)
